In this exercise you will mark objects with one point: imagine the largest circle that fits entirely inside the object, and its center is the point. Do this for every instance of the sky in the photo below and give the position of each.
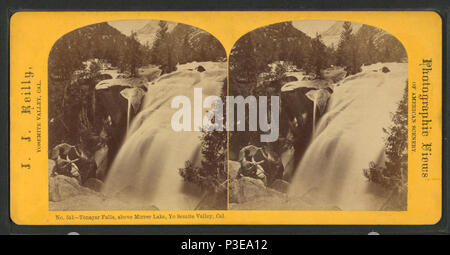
(311, 27)
(126, 26)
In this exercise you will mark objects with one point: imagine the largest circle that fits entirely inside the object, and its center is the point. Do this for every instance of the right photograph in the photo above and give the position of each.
(335, 94)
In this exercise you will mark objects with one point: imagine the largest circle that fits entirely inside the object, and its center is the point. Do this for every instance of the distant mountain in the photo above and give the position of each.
(146, 35)
(332, 35)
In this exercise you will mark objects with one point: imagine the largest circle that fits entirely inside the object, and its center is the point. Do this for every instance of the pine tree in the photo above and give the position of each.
(185, 50)
(162, 54)
(131, 55)
(348, 52)
(242, 61)
(365, 38)
(318, 57)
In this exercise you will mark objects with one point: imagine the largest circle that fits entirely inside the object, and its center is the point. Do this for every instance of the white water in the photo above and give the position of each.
(314, 115)
(134, 98)
(319, 98)
(145, 169)
(348, 137)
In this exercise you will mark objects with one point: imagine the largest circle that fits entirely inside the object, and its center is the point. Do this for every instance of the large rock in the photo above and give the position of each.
(320, 96)
(62, 187)
(134, 97)
(250, 194)
(281, 203)
(51, 166)
(112, 105)
(94, 184)
(298, 109)
(280, 185)
(97, 202)
(65, 194)
(200, 69)
(246, 189)
(101, 161)
(213, 201)
(233, 169)
(385, 69)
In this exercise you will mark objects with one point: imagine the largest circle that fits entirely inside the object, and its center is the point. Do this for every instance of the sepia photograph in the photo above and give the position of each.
(312, 116)
(112, 140)
(225, 119)
(341, 104)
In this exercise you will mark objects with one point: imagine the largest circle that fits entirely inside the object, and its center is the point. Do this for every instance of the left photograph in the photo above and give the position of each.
(114, 124)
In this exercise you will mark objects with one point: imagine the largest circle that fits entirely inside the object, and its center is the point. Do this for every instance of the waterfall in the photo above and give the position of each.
(128, 114)
(348, 136)
(134, 97)
(314, 116)
(319, 98)
(145, 169)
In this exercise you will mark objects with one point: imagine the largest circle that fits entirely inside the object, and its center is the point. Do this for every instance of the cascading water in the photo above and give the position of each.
(319, 98)
(145, 169)
(348, 137)
(314, 115)
(134, 98)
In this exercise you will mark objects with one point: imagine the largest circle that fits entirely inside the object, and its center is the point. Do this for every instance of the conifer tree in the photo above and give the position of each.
(162, 49)
(318, 57)
(348, 50)
(132, 55)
